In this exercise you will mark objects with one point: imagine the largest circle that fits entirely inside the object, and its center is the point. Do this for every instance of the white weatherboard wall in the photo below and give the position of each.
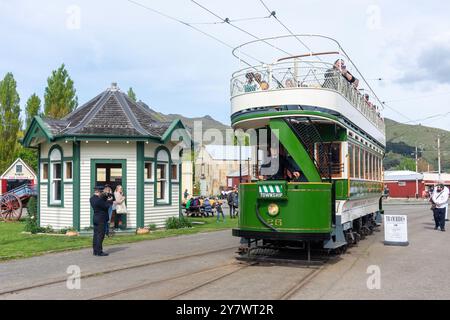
(56, 217)
(101, 150)
(158, 214)
(66, 147)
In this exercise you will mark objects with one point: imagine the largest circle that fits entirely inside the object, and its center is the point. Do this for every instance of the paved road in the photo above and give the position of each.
(202, 266)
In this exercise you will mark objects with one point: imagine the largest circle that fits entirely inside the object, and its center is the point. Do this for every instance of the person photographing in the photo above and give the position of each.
(439, 202)
(100, 205)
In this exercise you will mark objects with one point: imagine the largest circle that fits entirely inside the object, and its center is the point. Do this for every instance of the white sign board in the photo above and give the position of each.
(396, 230)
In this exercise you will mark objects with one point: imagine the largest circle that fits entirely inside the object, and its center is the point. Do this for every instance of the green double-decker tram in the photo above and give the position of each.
(319, 138)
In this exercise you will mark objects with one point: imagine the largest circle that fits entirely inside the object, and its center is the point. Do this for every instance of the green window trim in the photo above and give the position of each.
(140, 163)
(76, 185)
(49, 180)
(159, 203)
(38, 215)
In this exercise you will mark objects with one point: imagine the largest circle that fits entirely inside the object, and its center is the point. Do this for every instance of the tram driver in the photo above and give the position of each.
(281, 167)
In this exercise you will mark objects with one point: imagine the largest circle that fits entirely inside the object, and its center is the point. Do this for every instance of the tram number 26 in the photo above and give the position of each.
(275, 222)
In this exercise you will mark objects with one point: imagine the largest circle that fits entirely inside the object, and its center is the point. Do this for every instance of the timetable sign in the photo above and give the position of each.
(396, 230)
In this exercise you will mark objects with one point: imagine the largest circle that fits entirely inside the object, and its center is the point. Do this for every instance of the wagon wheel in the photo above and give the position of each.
(10, 207)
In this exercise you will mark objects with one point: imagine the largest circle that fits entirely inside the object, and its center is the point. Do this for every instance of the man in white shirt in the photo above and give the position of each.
(440, 199)
(446, 206)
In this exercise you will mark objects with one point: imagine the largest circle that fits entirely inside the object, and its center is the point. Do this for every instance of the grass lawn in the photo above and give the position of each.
(14, 244)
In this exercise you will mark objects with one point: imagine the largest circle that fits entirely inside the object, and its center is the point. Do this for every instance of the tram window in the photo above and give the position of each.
(375, 163)
(357, 162)
(367, 161)
(324, 155)
(351, 160)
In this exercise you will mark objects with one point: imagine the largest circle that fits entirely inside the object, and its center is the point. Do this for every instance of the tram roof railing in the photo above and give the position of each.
(305, 72)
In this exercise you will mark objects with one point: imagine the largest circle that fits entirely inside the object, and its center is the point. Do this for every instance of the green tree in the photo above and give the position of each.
(131, 94)
(32, 109)
(29, 156)
(10, 123)
(60, 95)
(407, 164)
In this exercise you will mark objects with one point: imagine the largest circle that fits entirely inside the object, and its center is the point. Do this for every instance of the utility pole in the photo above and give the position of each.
(439, 157)
(417, 172)
(240, 162)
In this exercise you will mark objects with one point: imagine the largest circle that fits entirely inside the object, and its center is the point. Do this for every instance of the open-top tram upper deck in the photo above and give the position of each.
(309, 84)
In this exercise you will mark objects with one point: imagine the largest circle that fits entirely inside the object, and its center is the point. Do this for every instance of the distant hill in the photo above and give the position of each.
(207, 121)
(401, 140)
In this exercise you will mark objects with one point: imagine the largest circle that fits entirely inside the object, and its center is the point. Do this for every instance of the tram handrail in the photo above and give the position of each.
(304, 74)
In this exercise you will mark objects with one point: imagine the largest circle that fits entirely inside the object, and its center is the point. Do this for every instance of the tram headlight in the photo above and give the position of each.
(273, 209)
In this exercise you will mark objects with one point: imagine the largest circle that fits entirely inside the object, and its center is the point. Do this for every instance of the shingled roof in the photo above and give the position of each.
(111, 113)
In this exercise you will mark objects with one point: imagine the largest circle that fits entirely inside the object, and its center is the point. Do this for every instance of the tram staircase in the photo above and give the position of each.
(308, 134)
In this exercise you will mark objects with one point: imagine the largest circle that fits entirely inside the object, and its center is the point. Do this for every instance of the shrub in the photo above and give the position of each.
(178, 223)
(31, 223)
(152, 226)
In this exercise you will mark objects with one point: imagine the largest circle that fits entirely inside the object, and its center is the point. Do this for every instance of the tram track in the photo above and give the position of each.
(106, 272)
(146, 285)
(300, 284)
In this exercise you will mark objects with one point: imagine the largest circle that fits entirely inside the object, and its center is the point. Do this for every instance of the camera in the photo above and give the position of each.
(107, 195)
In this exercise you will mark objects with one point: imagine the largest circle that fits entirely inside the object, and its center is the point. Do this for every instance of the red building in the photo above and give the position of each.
(404, 184)
(234, 179)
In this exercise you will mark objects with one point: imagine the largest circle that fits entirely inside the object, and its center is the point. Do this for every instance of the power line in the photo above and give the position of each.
(228, 21)
(398, 112)
(273, 13)
(420, 97)
(193, 27)
(231, 20)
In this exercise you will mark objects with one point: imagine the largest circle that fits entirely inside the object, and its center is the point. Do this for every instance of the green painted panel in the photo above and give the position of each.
(76, 185)
(341, 189)
(140, 183)
(361, 189)
(300, 155)
(307, 209)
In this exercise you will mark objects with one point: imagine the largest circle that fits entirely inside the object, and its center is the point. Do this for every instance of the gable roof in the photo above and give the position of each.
(22, 163)
(109, 114)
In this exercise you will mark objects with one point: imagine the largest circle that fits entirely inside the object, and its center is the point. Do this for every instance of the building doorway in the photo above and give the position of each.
(108, 173)
(111, 172)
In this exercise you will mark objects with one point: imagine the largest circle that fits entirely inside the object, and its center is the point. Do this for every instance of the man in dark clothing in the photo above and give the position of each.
(100, 205)
(286, 168)
(233, 201)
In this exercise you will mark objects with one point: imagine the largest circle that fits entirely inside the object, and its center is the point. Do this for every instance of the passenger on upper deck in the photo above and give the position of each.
(251, 83)
(339, 68)
(263, 85)
(366, 98)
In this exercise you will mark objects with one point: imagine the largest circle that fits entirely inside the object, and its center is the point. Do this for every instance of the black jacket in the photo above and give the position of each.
(283, 163)
(100, 206)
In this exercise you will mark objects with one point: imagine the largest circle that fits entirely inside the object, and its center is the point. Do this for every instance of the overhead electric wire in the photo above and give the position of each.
(273, 13)
(420, 97)
(228, 21)
(231, 20)
(398, 112)
(193, 27)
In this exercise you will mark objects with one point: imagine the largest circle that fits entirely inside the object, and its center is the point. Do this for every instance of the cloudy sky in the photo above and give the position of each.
(178, 70)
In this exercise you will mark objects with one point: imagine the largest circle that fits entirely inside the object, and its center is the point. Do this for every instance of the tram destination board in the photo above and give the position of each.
(272, 190)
